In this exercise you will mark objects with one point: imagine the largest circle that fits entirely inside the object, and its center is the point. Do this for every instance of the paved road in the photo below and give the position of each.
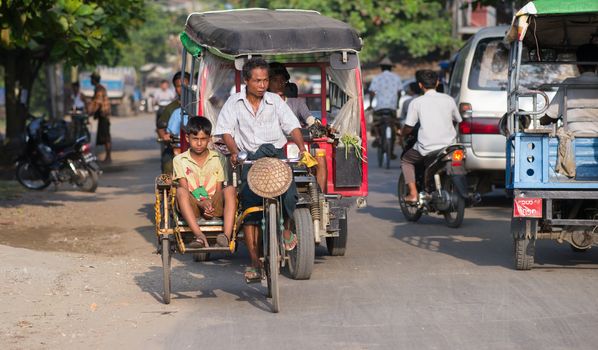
(400, 286)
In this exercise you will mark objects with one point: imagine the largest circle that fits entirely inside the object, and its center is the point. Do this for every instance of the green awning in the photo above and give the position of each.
(191, 46)
(547, 11)
(558, 7)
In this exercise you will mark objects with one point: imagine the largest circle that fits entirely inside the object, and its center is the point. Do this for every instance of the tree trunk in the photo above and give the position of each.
(21, 69)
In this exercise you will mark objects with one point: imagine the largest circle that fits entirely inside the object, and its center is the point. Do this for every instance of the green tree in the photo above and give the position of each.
(151, 41)
(36, 32)
(415, 28)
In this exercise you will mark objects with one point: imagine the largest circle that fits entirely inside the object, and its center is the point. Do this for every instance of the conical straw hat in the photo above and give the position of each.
(269, 177)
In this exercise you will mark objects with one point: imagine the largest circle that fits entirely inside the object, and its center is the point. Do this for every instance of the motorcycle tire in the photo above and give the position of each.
(90, 183)
(31, 177)
(411, 213)
(455, 214)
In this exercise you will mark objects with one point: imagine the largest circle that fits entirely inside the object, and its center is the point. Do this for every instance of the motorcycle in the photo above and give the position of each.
(443, 186)
(50, 157)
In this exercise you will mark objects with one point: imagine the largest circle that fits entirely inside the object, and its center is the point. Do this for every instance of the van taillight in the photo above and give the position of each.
(465, 110)
(479, 126)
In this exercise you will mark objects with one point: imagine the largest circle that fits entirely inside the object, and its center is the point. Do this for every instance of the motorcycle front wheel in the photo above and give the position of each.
(31, 176)
(454, 215)
(410, 212)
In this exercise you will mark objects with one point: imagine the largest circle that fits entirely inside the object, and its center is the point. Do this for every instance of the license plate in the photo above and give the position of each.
(527, 208)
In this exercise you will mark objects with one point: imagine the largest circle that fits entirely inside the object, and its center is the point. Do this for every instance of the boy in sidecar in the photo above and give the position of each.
(201, 190)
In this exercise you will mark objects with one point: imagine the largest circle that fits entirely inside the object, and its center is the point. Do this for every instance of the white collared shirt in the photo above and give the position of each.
(435, 113)
(273, 120)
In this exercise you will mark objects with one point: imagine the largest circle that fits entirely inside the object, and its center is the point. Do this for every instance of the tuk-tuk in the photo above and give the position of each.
(552, 169)
(321, 56)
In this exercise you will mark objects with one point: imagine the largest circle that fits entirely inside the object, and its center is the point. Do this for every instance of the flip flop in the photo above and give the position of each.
(252, 275)
(291, 242)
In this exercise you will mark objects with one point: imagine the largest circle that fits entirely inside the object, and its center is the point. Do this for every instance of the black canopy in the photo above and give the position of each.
(261, 31)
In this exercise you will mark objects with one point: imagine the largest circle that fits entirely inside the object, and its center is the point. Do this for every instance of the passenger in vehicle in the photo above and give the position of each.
(280, 85)
(413, 91)
(201, 177)
(167, 151)
(435, 112)
(582, 104)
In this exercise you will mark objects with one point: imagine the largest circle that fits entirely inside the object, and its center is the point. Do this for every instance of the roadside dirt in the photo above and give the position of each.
(78, 268)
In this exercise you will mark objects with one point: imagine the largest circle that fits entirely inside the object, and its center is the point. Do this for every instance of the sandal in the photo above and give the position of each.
(222, 241)
(252, 275)
(291, 242)
(198, 243)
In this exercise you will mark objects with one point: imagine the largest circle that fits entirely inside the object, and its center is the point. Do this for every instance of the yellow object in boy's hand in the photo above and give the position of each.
(308, 160)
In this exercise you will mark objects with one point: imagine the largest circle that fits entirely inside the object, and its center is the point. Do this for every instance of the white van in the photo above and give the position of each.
(478, 84)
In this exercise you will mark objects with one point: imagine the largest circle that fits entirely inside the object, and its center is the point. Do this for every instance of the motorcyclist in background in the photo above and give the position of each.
(435, 112)
(386, 87)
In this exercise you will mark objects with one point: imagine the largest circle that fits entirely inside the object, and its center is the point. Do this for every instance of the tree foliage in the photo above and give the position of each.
(35, 32)
(407, 28)
(152, 41)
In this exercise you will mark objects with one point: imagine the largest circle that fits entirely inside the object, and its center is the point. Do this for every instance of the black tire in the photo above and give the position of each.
(273, 254)
(578, 250)
(301, 259)
(90, 183)
(410, 213)
(455, 214)
(388, 147)
(201, 257)
(337, 246)
(31, 177)
(524, 249)
(166, 259)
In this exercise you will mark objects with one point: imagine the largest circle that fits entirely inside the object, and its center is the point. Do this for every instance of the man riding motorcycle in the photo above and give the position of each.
(386, 87)
(435, 112)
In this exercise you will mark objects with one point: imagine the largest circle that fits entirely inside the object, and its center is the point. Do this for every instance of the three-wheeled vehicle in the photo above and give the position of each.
(552, 170)
(321, 55)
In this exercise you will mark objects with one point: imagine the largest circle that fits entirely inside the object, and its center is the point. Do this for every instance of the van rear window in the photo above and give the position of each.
(489, 69)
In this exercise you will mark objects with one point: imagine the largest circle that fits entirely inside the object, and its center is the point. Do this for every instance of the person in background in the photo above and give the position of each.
(386, 87)
(279, 84)
(76, 100)
(167, 151)
(164, 95)
(99, 108)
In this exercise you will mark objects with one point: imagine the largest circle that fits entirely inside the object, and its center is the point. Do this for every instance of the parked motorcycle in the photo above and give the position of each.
(443, 187)
(51, 157)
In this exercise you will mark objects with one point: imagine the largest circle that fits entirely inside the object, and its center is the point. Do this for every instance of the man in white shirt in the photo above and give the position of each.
(582, 103)
(249, 119)
(164, 95)
(386, 87)
(435, 112)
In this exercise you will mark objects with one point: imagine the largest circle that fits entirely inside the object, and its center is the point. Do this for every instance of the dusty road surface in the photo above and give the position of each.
(77, 272)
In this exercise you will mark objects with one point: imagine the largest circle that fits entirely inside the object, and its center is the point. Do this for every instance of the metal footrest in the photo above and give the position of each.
(208, 250)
